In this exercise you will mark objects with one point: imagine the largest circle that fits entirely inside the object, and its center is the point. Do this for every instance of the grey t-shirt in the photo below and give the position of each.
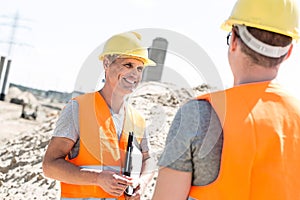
(194, 142)
(67, 126)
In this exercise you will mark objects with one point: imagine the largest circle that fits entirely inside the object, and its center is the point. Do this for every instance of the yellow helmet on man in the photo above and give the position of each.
(125, 45)
(279, 16)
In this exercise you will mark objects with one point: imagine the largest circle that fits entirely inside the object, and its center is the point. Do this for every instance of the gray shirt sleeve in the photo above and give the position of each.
(67, 124)
(194, 142)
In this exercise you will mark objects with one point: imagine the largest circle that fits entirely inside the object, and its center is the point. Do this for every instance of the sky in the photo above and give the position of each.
(55, 38)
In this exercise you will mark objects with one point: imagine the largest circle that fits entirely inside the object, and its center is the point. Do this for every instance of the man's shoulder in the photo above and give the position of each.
(198, 105)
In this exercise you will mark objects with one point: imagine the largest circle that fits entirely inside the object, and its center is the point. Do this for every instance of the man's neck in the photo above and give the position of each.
(112, 99)
(256, 73)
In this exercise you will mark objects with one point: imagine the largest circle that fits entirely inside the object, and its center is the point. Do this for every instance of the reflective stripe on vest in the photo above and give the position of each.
(101, 168)
(99, 146)
(261, 145)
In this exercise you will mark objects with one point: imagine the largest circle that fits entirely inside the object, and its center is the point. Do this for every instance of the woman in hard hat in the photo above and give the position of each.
(88, 149)
(244, 142)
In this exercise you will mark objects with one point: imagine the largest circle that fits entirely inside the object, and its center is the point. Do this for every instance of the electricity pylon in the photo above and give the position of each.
(12, 42)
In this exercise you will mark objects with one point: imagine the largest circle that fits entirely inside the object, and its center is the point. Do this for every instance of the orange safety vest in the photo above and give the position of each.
(99, 144)
(261, 145)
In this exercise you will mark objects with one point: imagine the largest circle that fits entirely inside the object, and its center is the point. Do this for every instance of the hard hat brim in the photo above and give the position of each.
(146, 61)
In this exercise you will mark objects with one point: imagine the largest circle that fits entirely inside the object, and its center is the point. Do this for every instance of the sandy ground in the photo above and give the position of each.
(23, 142)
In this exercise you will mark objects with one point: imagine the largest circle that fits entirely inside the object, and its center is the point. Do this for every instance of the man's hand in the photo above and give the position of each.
(136, 195)
(112, 183)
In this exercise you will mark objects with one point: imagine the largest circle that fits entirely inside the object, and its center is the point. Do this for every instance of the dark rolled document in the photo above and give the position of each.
(127, 169)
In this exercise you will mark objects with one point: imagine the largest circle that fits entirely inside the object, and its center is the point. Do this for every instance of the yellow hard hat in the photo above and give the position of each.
(127, 44)
(279, 16)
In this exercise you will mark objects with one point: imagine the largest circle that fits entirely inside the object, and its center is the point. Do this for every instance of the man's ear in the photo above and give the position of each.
(233, 42)
(105, 63)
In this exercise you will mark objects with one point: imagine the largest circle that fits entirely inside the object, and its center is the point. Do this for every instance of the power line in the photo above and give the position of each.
(11, 41)
(14, 25)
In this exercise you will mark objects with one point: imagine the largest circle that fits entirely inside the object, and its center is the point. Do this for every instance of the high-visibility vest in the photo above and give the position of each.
(261, 145)
(99, 146)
